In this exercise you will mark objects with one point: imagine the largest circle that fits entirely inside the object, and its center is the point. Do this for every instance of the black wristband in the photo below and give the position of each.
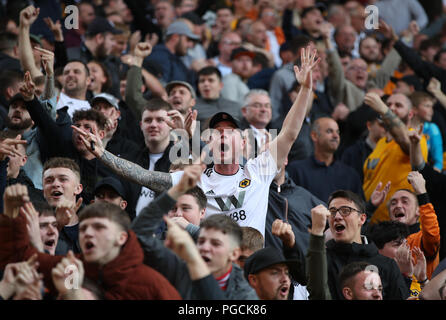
(423, 199)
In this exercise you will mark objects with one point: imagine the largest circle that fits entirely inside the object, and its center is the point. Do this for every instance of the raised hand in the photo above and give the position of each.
(403, 258)
(32, 225)
(134, 39)
(28, 16)
(15, 196)
(434, 86)
(378, 196)
(419, 269)
(373, 100)
(175, 119)
(304, 75)
(28, 281)
(47, 60)
(180, 242)
(64, 269)
(27, 87)
(143, 50)
(190, 122)
(191, 176)
(415, 135)
(326, 29)
(91, 141)
(65, 210)
(284, 231)
(8, 147)
(56, 28)
(319, 216)
(417, 181)
(386, 30)
(414, 28)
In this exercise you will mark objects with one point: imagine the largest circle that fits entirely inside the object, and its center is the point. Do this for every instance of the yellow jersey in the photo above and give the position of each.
(388, 162)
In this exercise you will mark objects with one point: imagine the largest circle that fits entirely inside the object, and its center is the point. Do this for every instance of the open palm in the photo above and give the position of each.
(304, 75)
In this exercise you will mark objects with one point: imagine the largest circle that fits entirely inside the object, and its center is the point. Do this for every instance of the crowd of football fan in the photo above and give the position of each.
(223, 150)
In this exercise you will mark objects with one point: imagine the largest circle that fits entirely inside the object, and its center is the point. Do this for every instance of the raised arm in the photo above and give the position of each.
(27, 18)
(155, 180)
(133, 95)
(292, 124)
(316, 259)
(336, 76)
(428, 218)
(434, 87)
(397, 128)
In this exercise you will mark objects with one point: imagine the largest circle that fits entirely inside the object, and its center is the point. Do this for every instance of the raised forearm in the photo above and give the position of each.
(133, 94)
(154, 180)
(49, 89)
(153, 84)
(295, 117)
(440, 96)
(397, 129)
(26, 53)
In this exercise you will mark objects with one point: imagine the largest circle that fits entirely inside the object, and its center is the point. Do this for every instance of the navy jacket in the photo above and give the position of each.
(321, 180)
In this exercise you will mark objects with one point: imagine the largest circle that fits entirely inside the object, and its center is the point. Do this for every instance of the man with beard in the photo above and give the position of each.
(75, 78)
(322, 174)
(19, 121)
(179, 38)
(268, 272)
(181, 96)
(98, 44)
(390, 160)
(13, 165)
(370, 51)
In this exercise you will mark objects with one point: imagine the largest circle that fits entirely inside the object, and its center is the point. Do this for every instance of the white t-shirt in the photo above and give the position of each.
(242, 196)
(146, 196)
(73, 104)
(300, 292)
(224, 70)
(274, 48)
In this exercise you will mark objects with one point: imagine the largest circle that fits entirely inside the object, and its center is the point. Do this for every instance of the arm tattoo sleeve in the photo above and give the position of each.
(154, 180)
(391, 120)
(49, 90)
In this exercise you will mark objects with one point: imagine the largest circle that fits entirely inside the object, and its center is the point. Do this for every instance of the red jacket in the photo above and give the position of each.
(124, 278)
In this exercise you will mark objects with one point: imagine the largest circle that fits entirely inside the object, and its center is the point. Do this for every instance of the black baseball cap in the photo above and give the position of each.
(15, 98)
(268, 257)
(222, 116)
(111, 182)
(240, 51)
(101, 25)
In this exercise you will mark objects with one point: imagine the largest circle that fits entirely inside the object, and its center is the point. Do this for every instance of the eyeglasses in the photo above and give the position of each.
(344, 211)
(258, 105)
(357, 68)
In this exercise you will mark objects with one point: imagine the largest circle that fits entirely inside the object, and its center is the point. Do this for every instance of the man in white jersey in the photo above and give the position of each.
(75, 78)
(239, 191)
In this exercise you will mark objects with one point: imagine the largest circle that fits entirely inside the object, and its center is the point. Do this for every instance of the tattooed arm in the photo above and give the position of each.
(154, 180)
(396, 127)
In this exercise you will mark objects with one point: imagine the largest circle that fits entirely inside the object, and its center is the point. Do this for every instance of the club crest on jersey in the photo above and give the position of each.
(244, 183)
